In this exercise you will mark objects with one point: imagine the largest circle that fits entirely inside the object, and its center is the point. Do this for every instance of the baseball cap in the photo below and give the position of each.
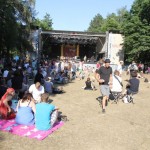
(107, 60)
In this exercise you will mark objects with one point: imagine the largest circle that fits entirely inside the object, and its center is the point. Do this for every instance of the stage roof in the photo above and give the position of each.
(72, 37)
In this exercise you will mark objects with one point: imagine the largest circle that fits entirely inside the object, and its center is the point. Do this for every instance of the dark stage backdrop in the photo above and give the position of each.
(70, 50)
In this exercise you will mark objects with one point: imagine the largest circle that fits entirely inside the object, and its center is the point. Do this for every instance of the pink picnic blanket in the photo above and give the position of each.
(28, 131)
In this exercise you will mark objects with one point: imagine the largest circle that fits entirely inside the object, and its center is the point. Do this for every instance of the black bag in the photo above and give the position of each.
(57, 91)
(111, 96)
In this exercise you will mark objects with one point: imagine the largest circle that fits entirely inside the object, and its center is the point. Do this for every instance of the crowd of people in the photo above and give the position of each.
(32, 86)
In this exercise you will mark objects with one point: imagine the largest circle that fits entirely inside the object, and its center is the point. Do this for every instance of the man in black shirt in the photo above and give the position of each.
(104, 77)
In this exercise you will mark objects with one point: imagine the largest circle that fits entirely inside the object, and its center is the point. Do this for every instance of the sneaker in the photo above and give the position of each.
(103, 111)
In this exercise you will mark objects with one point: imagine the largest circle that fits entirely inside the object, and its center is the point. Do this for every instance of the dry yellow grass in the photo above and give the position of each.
(123, 127)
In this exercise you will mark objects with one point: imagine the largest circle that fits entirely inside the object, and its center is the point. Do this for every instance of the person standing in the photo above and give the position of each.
(104, 77)
(132, 67)
(119, 68)
(85, 58)
(38, 77)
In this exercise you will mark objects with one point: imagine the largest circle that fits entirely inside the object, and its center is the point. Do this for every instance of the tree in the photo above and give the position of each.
(121, 13)
(96, 24)
(15, 21)
(111, 23)
(137, 32)
(45, 23)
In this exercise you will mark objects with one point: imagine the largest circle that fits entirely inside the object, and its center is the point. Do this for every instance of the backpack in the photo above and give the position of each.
(111, 96)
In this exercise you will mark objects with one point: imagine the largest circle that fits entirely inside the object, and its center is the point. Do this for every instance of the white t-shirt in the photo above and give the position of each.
(44, 73)
(116, 87)
(36, 92)
(119, 68)
(26, 65)
(62, 66)
(56, 66)
(80, 65)
(5, 74)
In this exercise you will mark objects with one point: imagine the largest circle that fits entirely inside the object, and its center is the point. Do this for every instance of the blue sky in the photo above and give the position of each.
(75, 15)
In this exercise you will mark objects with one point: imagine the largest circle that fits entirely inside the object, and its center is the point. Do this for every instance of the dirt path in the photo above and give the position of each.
(124, 126)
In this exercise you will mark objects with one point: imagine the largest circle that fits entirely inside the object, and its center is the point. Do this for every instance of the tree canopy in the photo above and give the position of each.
(134, 24)
(137, 32)
(111, 22)
(96, 24)
(17, 19)
(45, 23)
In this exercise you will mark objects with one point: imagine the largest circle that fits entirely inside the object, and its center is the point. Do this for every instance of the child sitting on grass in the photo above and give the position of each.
(89, 85)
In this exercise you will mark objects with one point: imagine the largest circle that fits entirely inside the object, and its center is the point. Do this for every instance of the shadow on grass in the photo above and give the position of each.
(62, 117)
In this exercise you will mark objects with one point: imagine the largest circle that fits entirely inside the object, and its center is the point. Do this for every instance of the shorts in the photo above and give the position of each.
(130, 91)
(105, 90)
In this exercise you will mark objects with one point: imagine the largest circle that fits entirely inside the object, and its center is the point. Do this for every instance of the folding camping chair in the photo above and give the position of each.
(116, 96)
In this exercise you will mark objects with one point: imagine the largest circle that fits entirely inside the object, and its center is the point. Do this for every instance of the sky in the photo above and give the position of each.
(76, 15)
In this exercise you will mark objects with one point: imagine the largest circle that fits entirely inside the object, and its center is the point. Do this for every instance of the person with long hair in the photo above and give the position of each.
(25, 110)
(5, 110)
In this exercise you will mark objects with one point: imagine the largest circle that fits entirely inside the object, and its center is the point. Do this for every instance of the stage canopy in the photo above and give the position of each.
(72, 37)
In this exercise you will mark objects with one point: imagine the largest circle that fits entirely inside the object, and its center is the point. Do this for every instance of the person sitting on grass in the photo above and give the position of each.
(5, 105)
(89, 85)
(25, 110)
(46, 114)
(36, 90)
(48, 85)
(133, 85)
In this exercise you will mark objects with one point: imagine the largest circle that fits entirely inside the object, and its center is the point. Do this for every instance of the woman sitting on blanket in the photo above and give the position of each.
(46, 114)
(5, 110)
(25, 110)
